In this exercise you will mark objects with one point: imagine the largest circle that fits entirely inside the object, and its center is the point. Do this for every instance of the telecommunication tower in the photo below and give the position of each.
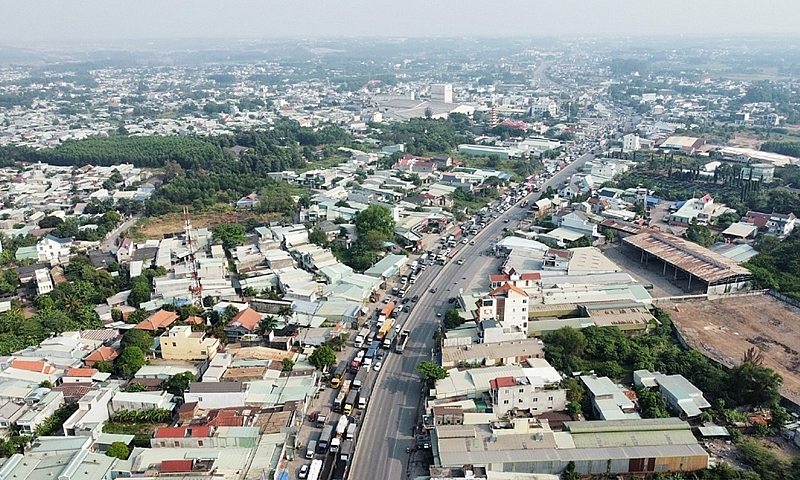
(196, 288)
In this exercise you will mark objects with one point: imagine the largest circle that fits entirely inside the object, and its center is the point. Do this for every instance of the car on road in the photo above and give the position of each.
(405, 300)
(433, 290)
(472, 242)
(303, 472)
(386, 300)
(377, 366)
(451, 299)
(380, 355)
(460, 261)
(407, 308)
(438, 314)
(505, 221)
(415, 298)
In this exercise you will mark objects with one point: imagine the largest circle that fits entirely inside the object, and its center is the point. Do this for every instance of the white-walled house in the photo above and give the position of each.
(53, 249)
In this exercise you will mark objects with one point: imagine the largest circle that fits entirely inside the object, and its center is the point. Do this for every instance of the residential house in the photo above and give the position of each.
(158, 321)
(212, 395)
(44, 284)
(102, 354)
(91, 414)
(682, 396)
(195, 436)
(43, 404)
(142, 401)
(247, 201)
(53, 250)
(243, 323)
(781, 224)
(511, 306)
(181, 343)
(125, 251)
(79, 375)
(528, 394)
(521, 280)
(609, 401)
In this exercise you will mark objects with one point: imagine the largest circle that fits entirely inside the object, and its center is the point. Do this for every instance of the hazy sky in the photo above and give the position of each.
(25, 21)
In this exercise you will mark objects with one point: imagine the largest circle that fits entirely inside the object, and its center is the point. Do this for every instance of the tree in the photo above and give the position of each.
(318, 237)
(375, 218)
(431, 371)
(575, 390)
(653, 404)
(766, 243)
(137, 338)
(452, 319)
(131, 360)
(178, 383)
(135, 387)
(322, 357)
(756, 385)
(46, 384)
(564, 348)
(609, 234)
(267, 324)
(338, 342)
(230, 234)
(50, 222)
(699, 234)
(140, 292)
(288, 364)
(118, 450)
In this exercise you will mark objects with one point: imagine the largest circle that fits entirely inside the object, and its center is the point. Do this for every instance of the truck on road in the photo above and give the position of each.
(388, 339)
(336, 381)
(315, 470)
(323, 416)
(401, 342)
(385, 313)
(356, 363)
(350, 402)
(361, 337)
(338, 403)
(385, 328)
(325, 439)
(363, 397)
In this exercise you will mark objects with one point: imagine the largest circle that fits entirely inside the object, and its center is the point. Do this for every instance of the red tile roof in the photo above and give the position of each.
(102, 354)
(176, 466)
(160, 319)
(499, 278)
(195, 320)
(505, 381)
(507, 287)
(34, 366)
(247, 319)
(81, 372)
(183, 432)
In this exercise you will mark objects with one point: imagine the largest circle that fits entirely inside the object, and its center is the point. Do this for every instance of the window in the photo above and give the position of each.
(174, 345)
(199, 443)
(177, 443)
(521, 390)
(535, 399)
(549, 399)
(163, 444)
(525, 300)
(505, 402)
(520, 400)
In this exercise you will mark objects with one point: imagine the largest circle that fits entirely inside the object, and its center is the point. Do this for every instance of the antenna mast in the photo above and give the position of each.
(196, 288)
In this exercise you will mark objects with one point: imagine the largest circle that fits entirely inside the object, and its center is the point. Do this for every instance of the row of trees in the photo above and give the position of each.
(778, 266)
(609, 352)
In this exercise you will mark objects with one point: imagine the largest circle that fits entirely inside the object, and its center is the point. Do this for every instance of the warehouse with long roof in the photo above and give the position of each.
(686, 260)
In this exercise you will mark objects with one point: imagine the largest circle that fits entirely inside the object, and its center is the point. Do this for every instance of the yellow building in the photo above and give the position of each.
(181, 343)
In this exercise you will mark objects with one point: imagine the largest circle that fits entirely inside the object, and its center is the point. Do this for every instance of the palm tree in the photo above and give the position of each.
(285, 313)
(267, 324)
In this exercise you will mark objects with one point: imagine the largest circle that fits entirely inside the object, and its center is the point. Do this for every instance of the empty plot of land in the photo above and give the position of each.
(724, 329)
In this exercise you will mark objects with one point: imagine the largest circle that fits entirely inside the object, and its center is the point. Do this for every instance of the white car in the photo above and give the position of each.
(377, 366)
(460, 261)
(303, 472)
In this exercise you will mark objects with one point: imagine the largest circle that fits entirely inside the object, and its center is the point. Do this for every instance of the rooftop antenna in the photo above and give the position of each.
(195, 288)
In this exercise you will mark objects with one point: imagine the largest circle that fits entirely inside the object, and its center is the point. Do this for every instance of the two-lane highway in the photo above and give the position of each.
(392, 412)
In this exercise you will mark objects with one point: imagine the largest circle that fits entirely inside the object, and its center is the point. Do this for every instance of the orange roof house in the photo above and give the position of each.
(102, 354)
(34, 366)
(158, 321)
(243, 323)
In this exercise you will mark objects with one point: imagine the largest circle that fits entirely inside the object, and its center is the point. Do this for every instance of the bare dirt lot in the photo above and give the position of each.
(724, 329)
(171, 223)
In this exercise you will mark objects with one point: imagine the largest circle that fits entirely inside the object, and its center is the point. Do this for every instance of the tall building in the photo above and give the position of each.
(442, 92)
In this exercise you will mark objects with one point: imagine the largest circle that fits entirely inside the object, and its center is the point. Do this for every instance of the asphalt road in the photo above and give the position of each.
(393, 408)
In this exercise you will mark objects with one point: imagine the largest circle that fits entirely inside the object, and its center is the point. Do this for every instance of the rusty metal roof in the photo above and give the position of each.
(690, 257)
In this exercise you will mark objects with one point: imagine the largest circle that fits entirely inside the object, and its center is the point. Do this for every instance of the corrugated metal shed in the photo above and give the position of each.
(694, 259)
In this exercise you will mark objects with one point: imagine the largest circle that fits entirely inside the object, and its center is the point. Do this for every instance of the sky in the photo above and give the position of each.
(52, 21)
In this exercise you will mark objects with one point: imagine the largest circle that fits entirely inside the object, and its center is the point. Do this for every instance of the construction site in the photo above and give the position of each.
(724, 329)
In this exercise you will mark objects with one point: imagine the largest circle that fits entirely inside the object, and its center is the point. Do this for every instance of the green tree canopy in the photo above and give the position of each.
(431, 371)
(130, 361)
(322, 357)
(452, 319)
(118, 450)
(137, 338)
(178, 383)
(230, 234)
(375, 218)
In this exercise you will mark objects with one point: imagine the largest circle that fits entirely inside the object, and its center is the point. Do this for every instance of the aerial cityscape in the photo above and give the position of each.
(280, 249)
